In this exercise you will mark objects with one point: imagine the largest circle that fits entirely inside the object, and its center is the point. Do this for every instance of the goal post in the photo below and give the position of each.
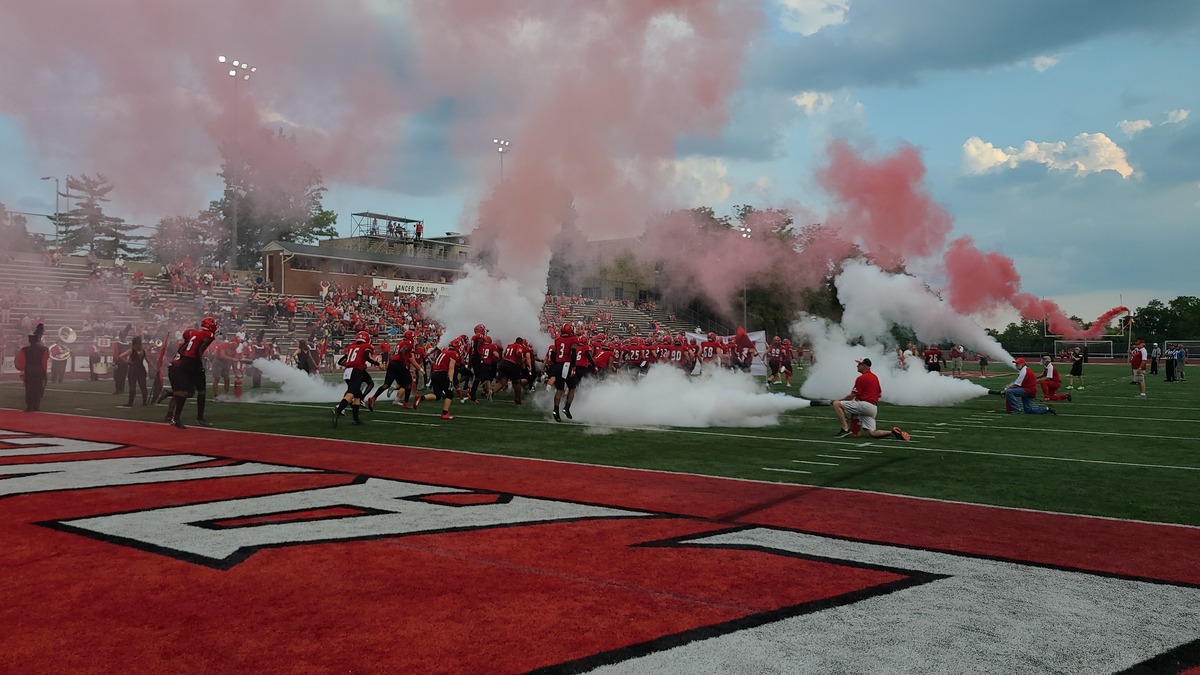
(1096, 348)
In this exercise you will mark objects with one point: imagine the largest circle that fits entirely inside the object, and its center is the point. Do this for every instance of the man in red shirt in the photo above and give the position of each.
(1138, 360)
(956, 360)
(775, 361)
(862, 403)
(355, 359)
(399, 371)
(933, 358)
(32, 361)
(1050, 381)
(562, 355)
(186, 372)
(515, 367)
(443, 375)
(787, 362)
(1019, 395)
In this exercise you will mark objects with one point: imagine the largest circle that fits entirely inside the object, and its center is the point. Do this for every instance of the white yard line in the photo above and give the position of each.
(805, 461)
(839, 457)
(767, 468)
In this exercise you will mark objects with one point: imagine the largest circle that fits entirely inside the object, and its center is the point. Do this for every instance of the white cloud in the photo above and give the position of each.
(1132, 128)
(1086, 153)
(1177, 116)
(809, 16)
(701, 180)
(813, 102)
(1044, 63)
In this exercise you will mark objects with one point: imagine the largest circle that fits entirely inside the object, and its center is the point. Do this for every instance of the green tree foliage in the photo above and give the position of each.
(273, 193)
(179, 237)
(87, 228)
(14, 233)
(1178, 319)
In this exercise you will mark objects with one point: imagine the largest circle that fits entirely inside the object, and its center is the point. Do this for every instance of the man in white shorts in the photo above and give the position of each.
(862, 405)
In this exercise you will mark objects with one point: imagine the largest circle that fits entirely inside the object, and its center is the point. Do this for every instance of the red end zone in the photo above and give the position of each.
(615, 574)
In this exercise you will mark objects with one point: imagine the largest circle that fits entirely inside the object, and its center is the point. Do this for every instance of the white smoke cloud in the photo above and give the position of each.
(667, 397)
(502, 305)
(296, 386)
(833, 374)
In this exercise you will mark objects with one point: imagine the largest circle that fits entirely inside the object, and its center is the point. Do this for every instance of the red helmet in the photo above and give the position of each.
(787, 342)
(712, 337)
(480, 329)
(210, 324)
(568, 330)
(363, 336)
(775, 339)
(408, 335)
(678, 340)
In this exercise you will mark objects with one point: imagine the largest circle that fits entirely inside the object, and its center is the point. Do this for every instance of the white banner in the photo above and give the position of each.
(407, 286)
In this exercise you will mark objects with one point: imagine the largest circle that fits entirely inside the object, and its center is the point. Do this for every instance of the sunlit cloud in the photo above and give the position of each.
(1132, 128)
(1178, 116)
(809, 16)
(813, 102)
(1044, 63)
(1085, 154)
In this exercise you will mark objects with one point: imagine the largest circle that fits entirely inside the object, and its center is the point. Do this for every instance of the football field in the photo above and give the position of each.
(502, 541)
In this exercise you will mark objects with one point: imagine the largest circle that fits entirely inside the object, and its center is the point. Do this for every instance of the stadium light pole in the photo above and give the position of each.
(745, 230)
(239, 71)
(502, 146)
(56, 209)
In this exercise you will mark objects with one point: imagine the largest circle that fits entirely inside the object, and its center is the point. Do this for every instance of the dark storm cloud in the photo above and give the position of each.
(884, 42)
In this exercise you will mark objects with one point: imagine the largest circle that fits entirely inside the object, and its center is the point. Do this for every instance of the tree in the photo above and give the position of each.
(87, 228)
(14, 233)
(179, 237)
(271, 193)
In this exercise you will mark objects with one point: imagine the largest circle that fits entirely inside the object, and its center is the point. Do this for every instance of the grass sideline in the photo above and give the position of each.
(1107, 453)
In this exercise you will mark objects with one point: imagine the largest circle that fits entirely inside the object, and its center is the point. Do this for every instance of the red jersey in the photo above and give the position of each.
(775, 352)
(561, 350)
(404, 350)
(603, 358)
(356, 355)
(444, 358)
(933, 356)
(195, 341)
(786, 353)
(1137, 358)
(866, 388)
(516, 352)
(709, 350)
(489, 353)
(1051, 373)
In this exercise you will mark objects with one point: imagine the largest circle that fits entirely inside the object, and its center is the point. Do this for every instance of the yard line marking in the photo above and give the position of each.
(871, 452)
(767, 468)
(804, 461)
(863, 445)
(415, 424)
(928, 431)
(839, 457)
(1054, 459)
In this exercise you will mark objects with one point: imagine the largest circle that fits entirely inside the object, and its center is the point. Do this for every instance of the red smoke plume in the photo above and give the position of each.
(885, 209)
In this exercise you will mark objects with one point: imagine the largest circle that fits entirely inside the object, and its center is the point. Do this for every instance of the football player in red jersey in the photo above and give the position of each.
(515, 367)
(744, 351)
(442, 377)
(186, 372)
(775, 360)
(559, 366)
(399, 372)
(485, 372)
(355, 359)
(934, 358)
(787, 362)
(710, 353)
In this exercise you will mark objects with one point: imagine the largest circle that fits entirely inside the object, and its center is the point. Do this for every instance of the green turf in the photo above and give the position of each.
(1124, 457)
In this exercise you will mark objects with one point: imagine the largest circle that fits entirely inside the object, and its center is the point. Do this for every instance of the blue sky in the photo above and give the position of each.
(1102, 207)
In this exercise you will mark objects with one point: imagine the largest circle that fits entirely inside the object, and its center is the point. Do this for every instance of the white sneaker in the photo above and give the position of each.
(1141, 396)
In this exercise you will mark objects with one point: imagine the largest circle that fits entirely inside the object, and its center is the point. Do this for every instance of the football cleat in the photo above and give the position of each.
(842, 433)
(901, 434)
